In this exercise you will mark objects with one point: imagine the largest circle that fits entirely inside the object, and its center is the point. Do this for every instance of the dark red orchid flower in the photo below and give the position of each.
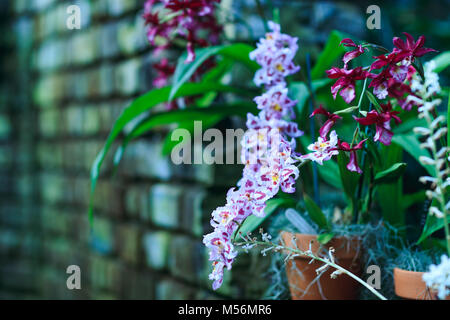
(391, 58)
(332, 119)
(412, 48)
(353, 163)
(381, 120)
(348, 56)
(346, 81)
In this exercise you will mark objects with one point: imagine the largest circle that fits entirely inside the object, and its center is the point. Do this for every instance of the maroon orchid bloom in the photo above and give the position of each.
(353, 163)
(351, 54)
(381, 120)
(413, 49)
(391, 58)
(332, 119)
(165, 70)
(346, 81)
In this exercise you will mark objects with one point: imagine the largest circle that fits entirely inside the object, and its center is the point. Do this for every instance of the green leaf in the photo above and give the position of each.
(330, 53)
(391, 174)
(299, 91)
(140, 105)
(184, 71)
(432, 225)
(349, 179)
(411, 144)
(448, 118)
(442, 61)
(186, 116)
(390, 195)
(169, 144)
(253, 222)
(413, 198)
(324, 238)
(315, 213)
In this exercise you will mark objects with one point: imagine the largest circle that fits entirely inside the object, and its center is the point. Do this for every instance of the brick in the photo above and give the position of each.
(127, 77)
(130, 245)
(140, 160)
(191, 219)
(119, 7)
(168, 289)
(186, 258)
(137, 285)
(91, 122)
(103, 236)
(165, 205)
(104, 274)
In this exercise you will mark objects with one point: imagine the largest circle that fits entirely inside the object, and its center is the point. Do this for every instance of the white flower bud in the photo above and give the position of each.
(440, 133)
(435, 211)
(426, 160)
(422, 131)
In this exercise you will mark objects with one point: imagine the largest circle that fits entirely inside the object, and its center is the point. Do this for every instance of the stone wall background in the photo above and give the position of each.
(60, 91)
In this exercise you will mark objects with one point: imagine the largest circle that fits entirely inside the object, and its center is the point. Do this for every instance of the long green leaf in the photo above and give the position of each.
(432, 224)
(169, 144)
(442, 61)
(184, 71)
(390, 194)
(139, 106)
(391, 174)
(253, 222)
(411, 144)
(315, 213)
(349, 179)
(299, 91)
(329, 54)
(185, 116)
(448, 119)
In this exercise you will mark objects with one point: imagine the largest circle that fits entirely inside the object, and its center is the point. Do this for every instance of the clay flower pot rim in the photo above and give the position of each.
(410, 285)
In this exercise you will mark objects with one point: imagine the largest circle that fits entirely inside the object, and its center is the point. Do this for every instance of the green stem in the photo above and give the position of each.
(440, 183)
(327, 262)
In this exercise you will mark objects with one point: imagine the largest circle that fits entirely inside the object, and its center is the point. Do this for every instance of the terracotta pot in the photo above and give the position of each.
(301, 273)
(409, 285)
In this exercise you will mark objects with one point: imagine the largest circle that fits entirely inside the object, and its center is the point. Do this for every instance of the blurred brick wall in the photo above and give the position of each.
(62, 90)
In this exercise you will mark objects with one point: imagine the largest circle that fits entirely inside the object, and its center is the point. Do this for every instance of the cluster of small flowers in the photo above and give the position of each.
(390, 82)
(425, 98)
(438, 278)
(267, 152)
(193, 21)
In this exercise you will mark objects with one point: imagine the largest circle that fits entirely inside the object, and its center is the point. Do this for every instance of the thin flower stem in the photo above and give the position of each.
(439, 183)
(303, 163)
(326, 261)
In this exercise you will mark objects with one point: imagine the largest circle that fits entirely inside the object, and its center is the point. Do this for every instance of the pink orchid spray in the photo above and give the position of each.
(268, 154)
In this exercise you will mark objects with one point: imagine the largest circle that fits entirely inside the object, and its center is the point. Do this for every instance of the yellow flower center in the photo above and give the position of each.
(279, 67)
(276, 107)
